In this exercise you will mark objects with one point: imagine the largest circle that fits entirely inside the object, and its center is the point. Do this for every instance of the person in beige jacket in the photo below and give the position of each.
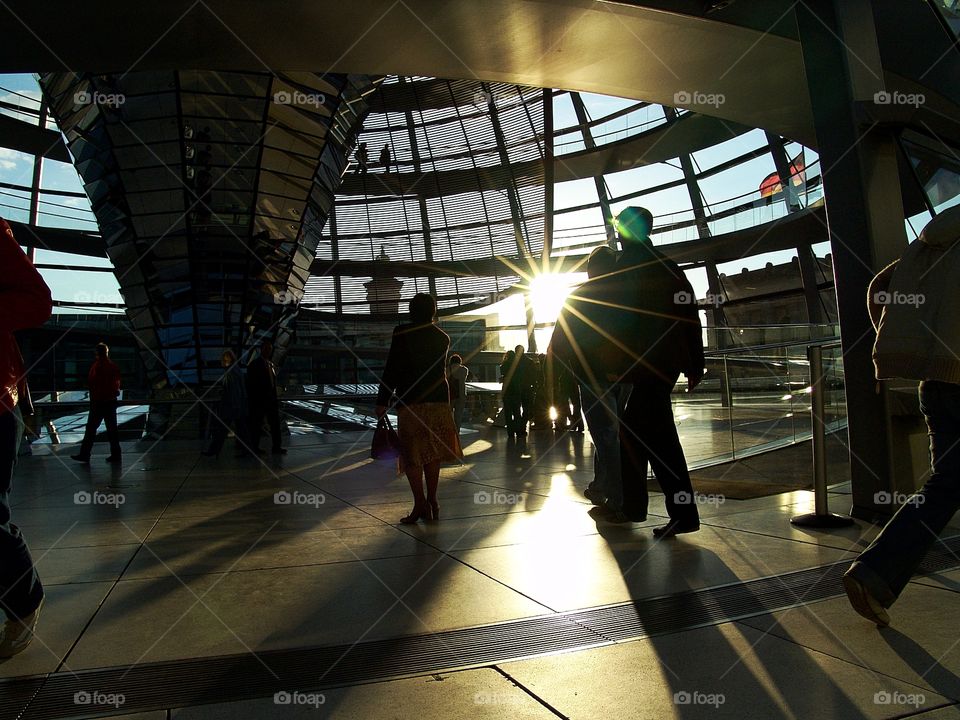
(914, 304)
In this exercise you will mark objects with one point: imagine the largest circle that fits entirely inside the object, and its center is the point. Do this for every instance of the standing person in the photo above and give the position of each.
(362, 159)
(541, 403)
(659, 327)
(912, 305)
(528, 376)
(104, 383)
(231, 409)
(26, 303)
(415, 374)
(510, 391)
(579, 344)
(458, 373)
(385, 158)
(262, 394)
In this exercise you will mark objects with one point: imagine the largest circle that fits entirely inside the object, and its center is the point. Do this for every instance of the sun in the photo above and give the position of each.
(549, 291)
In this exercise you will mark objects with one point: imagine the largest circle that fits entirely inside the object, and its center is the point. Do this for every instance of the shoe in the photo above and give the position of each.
(114, 460)
(605, 513)
(278, 451)
(672, 529)
(594, 496)
(80, 458)
(18, 634)
(418, 513)
(863, 602)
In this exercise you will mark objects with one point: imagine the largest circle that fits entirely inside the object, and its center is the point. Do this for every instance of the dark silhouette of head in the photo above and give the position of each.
(634, 224)
(103, 351)
(456, 359)
(518, 350)
(228, 358)
(602, 261)
(266, 349)
(423, 309)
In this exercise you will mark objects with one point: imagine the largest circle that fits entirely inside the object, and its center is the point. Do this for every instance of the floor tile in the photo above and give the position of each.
(727, 671)
(482, 694)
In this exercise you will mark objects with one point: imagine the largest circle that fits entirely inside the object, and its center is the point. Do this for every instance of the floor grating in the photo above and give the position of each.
(198, 681)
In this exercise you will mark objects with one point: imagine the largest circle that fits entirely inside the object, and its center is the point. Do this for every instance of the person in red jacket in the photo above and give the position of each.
(104, 384)
(26, 303)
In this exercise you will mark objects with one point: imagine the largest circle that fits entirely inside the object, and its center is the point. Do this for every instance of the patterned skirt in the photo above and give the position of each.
(427, 434)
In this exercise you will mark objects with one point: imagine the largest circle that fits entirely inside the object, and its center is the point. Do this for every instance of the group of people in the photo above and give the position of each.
(362, 158)
(625, 336)
(245, 404)
(531, 387)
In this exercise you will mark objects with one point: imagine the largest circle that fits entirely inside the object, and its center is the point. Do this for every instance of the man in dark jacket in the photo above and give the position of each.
(262, 393)
(26, 303)
(104, 383)
(659, 336)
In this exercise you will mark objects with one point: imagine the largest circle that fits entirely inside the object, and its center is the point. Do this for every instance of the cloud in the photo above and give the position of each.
(9, 158)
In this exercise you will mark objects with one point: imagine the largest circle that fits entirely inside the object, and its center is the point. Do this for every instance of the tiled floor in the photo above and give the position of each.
(175, 556)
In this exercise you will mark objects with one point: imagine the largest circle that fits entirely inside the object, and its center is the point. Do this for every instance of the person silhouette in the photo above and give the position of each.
(385, 158)
(362, 159)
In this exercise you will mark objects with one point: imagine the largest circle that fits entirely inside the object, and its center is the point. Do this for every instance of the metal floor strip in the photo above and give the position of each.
(198, 681)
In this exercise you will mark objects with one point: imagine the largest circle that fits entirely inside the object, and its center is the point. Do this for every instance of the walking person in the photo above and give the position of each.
(458, 374)
(579, 344)
(26, 302)
(362, 159)
(104, 383)
(232, 409)
(912, 304)
(657, 328)
(263, 400)
(415, 374)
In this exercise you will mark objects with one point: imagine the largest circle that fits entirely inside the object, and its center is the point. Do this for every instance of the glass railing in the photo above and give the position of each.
(757, 399)
(753, 399)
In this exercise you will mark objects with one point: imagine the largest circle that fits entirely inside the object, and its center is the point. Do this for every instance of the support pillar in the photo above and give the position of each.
(864, 214)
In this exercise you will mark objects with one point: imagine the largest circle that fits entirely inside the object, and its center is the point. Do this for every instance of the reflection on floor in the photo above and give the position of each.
(176, 556)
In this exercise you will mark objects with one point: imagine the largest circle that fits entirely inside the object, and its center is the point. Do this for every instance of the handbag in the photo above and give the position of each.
(386, 441)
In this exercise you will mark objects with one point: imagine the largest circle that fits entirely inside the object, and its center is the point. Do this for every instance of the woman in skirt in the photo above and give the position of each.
(415, 373)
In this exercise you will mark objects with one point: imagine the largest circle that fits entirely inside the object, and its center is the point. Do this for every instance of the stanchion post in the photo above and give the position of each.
(821, 517)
